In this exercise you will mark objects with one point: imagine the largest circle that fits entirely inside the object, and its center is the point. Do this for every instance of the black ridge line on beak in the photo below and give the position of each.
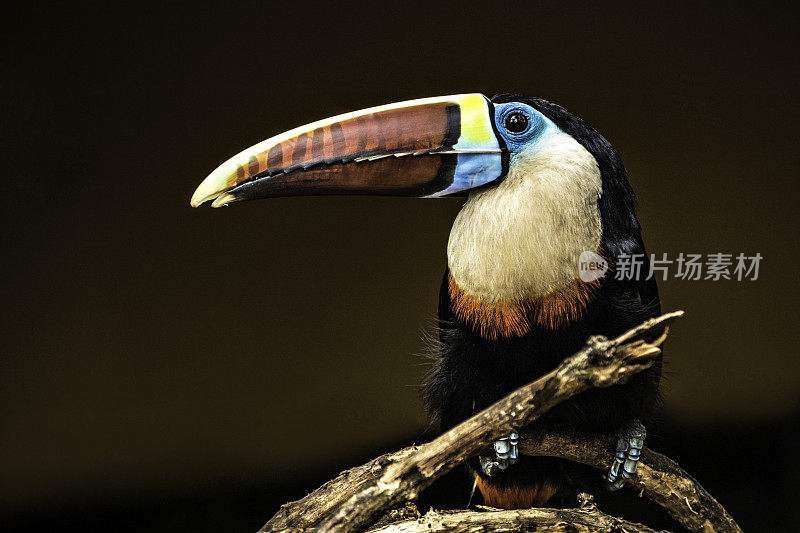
(505, 156)
(250, 189)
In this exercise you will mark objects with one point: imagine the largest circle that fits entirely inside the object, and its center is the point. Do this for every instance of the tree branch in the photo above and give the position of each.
(356, 498)
(658, 478)
(307, 512)
(587, 519)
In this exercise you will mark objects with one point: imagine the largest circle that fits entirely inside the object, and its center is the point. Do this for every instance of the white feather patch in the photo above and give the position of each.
(522, 238)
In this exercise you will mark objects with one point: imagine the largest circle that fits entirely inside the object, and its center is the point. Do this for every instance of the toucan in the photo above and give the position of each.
(544, 192)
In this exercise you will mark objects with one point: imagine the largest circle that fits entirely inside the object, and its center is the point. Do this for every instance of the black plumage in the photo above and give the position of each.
(471, 372)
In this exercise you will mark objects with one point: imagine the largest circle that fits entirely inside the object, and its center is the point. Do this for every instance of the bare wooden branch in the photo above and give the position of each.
(601, 363)
(390, 480)
(307, 512)
(587, 519)
(658, 478)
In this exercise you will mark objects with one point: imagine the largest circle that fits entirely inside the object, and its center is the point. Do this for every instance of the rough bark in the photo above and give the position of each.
(357, 498)
(310, 510)
(587, 519)
(658, 478)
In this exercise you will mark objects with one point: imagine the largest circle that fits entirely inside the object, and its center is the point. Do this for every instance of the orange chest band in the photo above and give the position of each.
(515, 497)
(503, 319)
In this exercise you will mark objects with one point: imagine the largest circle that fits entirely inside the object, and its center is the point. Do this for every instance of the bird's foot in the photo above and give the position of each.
(505, 454)
(626, 458)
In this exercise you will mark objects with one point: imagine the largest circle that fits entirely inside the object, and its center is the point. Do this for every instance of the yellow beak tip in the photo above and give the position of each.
(203, 195)
(223, 200)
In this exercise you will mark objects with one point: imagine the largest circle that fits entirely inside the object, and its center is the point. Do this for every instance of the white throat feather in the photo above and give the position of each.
(521, 239)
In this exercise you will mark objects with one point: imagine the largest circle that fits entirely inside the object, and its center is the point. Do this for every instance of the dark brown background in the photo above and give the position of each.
(171, 363)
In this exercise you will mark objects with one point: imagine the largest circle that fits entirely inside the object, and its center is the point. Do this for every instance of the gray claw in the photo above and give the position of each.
(506, 453)
(502, 450)
(513, 454)
(489, 467)
(626, 458)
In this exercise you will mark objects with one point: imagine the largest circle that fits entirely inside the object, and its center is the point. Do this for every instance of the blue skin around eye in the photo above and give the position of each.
(538, 125)
(475, 170)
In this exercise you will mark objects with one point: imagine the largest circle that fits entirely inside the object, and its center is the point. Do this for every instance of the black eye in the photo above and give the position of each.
(516, 122)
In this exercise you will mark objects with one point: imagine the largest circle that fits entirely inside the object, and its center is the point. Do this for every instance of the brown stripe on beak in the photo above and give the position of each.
(410, 129)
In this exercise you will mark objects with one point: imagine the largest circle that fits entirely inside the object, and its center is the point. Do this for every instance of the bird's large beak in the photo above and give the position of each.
(428, 147)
